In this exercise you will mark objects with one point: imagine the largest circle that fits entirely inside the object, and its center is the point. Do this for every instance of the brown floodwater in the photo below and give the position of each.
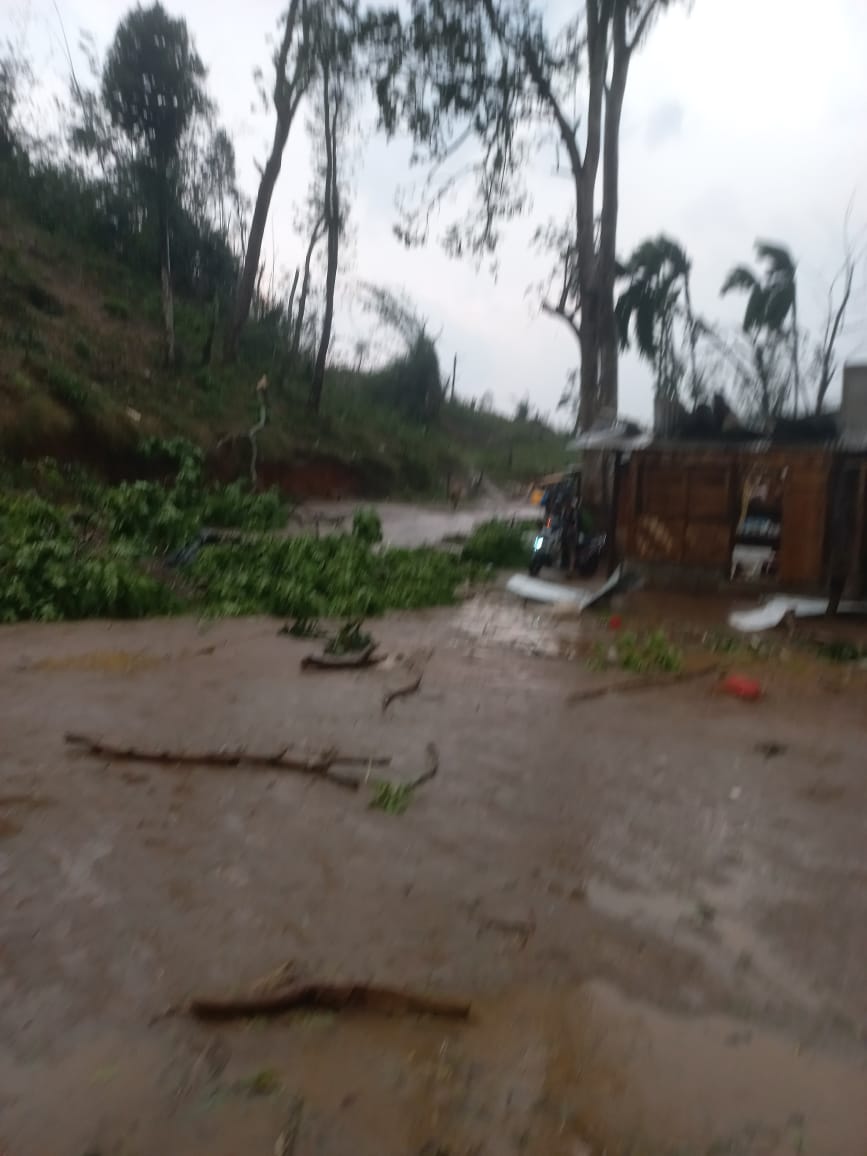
(657, 903)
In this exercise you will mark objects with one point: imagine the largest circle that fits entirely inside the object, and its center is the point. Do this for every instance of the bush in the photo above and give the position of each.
(367, 526)
(119, 310)
(322, 578)
(65, 386)
(46, 574)
(497, 544)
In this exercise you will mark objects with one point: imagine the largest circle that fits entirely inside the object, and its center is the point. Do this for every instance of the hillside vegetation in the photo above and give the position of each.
(82, 379)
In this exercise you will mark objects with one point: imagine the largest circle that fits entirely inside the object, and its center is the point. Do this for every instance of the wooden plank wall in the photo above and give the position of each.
(681, 507)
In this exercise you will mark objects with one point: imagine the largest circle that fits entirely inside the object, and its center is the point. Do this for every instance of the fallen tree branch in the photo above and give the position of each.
(401, 691)
(319, 766)
(650, 682)
(433, 766)
(325, 997)
(356, 661)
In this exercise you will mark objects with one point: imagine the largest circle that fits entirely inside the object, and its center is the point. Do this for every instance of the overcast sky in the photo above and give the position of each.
(743, 119)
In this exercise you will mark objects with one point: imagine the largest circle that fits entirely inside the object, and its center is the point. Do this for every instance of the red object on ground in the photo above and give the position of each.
(615, 622)
(741, 687)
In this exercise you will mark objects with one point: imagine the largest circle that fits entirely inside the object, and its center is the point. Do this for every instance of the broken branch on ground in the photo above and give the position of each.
(651, 682)
(319, 766)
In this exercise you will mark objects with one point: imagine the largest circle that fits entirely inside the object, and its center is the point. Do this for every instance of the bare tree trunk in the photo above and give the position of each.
(454, 379)
(332, 209)
(609, 351)
(167, 298)
(291, 306)
(796, 352)
(287, 96)
(305, 285)
(588, 338)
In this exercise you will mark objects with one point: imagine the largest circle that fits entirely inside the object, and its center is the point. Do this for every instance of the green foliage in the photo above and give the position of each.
(303, 628)
(839, 650)
(265, 1082)
(42, 300)
(65, 386)
(647, 653)
(98, 559)
(46, 573)
(393, 798)
(350, 639)
(496, 544)
(322, 578)
(113, 307)
(152, 84)
(367, 526)
(411, 385)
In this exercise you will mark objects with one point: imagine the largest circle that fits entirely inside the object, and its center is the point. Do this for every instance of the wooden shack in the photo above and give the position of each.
(751, 512)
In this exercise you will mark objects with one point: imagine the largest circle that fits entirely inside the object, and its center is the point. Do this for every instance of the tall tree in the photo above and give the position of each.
(657, 305)
(293, 75)
(337, 41)
(770, 304)
(835, 320)
(153, 86)
(494, 70)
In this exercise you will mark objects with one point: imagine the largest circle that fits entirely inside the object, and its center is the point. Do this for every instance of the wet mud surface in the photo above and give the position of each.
(657, 903)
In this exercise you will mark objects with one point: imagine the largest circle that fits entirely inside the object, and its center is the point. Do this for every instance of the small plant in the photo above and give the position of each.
(265, 1082)
(840, 651)
(497, 544)
(304, 628)
(393, 798)
(66, 387)
(43, 301)
(81, 349)
(350, 639)
(721, 643)
(115, 308)
(367, 526)
(641, 654)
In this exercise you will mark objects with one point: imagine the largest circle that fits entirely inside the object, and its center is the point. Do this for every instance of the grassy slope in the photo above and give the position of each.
(80, 347)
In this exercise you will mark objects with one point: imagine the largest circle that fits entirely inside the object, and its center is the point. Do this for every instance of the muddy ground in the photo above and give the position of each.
(656, 902)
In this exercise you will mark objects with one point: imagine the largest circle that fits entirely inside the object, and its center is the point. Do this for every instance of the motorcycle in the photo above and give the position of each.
(547, 546)
(549, 549)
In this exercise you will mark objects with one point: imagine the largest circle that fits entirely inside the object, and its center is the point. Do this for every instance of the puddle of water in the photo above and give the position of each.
(492, 622)
(723, 939)
(553, 1071)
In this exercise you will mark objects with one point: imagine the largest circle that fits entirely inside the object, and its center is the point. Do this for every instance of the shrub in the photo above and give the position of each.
(367, 526)
(496, 544)
(119, 310)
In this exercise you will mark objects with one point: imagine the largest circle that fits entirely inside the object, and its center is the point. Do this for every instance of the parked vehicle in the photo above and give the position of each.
(551, 549)
(547, 546)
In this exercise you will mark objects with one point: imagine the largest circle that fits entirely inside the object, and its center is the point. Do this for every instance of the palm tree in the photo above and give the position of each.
(770, 304)
(657, 295)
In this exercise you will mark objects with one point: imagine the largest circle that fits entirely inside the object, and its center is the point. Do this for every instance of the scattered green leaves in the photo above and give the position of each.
(393, 798)
(642, 654)
(101, 559)
(497, 544)
(265, 1082)
(350, 639)
(367, 526)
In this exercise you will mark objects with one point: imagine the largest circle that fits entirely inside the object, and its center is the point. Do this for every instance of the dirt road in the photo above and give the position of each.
(656, 902)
